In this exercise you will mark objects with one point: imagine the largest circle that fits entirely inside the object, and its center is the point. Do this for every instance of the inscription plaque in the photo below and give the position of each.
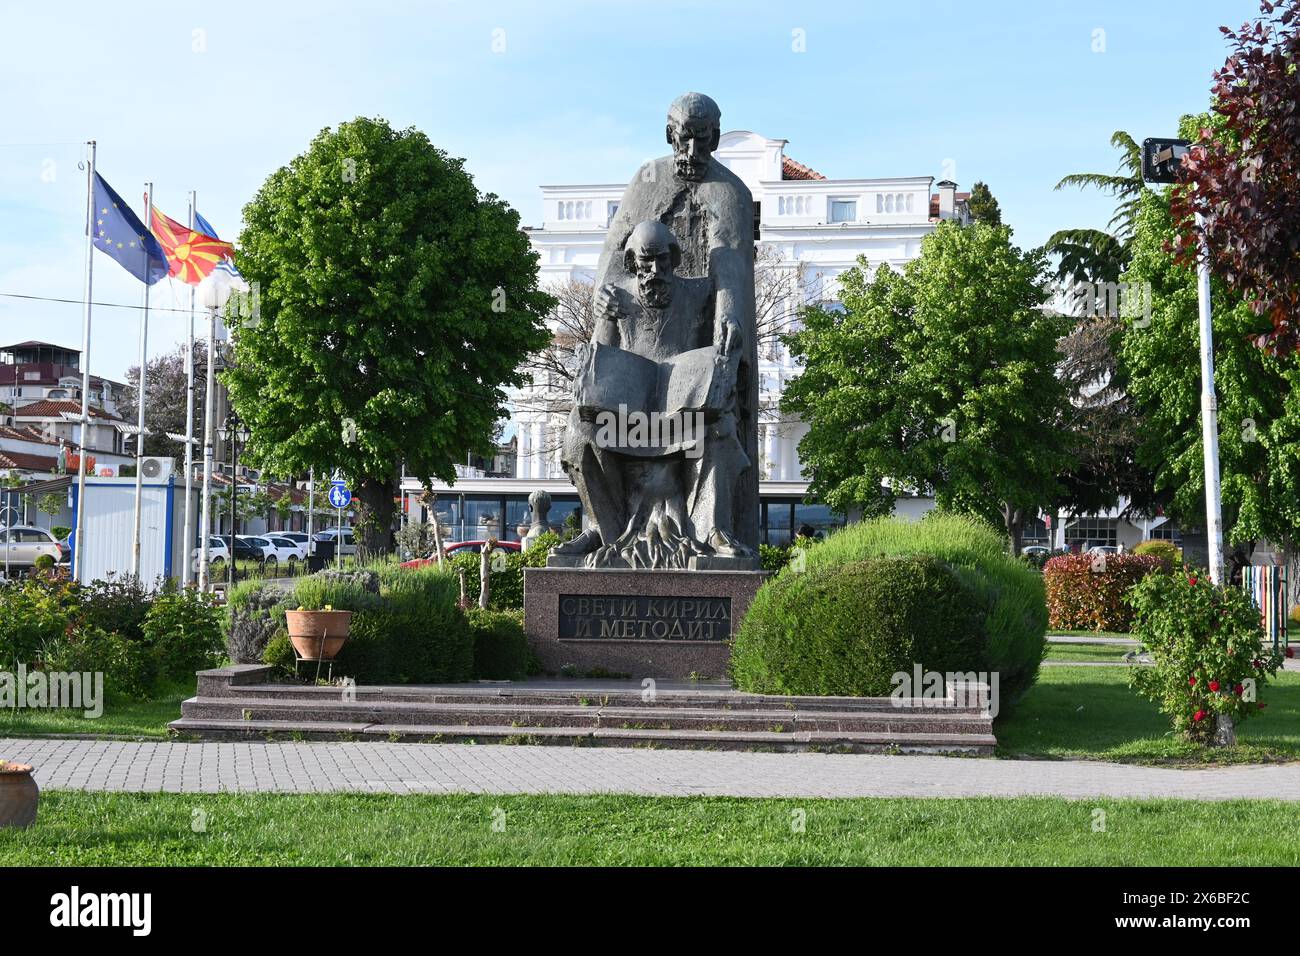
(643, 618)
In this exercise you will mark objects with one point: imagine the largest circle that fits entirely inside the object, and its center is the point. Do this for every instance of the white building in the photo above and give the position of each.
(808, 228)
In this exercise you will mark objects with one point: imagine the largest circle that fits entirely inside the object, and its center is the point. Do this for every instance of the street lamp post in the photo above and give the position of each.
(234, 432)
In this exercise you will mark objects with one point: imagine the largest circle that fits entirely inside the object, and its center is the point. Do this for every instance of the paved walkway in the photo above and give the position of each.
(459, 768)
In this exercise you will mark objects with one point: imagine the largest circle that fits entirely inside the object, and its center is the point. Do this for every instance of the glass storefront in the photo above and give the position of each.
(473, 517)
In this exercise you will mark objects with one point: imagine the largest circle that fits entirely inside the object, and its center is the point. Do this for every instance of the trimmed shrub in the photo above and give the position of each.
(1159, 548)
(411, 632)
(507, 578)
(1011, 594)
(1086, 591)
(1207, 648)
(500, 648)
(183, 628)
(847, 629)
(44, 562)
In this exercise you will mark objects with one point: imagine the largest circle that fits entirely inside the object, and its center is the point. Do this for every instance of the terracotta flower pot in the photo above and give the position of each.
(318, 635)
(19, 796)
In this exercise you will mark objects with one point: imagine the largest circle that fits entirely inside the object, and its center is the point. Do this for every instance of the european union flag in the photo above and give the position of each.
(119, 232)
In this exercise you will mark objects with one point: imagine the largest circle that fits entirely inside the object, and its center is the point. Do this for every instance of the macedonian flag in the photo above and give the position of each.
(191, 255)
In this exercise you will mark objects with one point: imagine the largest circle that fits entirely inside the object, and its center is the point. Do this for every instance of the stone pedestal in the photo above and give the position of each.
(662, 624)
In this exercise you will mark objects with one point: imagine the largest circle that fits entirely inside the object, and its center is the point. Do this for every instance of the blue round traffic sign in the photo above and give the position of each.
(340, 496)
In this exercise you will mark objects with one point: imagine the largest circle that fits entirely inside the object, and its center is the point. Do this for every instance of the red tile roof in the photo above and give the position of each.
(20, 459)
(793, 169)
(24, 434)
(50, 408)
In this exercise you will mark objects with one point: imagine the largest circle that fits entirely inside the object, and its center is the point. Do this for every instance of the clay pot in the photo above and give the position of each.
(318, 635)
(19, 796)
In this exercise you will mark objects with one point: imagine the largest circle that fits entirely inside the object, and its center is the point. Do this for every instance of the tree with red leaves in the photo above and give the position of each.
(1244, 177)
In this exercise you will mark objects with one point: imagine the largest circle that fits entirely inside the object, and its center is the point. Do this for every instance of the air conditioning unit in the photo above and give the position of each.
(157, 467)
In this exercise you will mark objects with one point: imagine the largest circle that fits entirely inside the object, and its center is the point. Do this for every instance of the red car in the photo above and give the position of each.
(461, 547)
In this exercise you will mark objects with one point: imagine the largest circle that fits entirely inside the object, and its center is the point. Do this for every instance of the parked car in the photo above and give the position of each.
(21, 545)
(244, 548)
(1104, 549)
(461, 547)
(299, 537)
(218, 554)
(1035, 549)
(331, 536)
(284, 551)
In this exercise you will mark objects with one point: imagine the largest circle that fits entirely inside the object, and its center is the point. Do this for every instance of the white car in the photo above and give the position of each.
(287, 550)
(21, 545)
(275, 550)
(331, 535)
(218, 554)
(298, 537)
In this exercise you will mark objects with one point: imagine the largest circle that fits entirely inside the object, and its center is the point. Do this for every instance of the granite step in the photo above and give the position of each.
(969, 743)
(476, 695)
(898, 720)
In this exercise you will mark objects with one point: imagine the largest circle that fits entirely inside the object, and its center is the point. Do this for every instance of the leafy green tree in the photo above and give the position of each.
(937, 379)
(1259, 408)
(396, 304)
(983, 206)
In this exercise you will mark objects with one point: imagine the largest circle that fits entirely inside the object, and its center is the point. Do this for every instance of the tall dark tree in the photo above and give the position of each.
(1246, 173)
(1097, 255)
(397, 303)
(983, 206)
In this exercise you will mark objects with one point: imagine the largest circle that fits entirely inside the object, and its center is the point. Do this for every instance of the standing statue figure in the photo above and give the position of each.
(675, 337)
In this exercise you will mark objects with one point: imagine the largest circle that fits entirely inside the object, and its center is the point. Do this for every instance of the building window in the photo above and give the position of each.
(758, 219)
(1167, 531)
(611, 210)
(1034, 532)
(844, 210)
(1087, 532)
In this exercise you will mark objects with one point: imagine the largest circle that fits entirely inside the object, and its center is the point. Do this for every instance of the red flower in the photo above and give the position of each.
(1198, 716)
(1191, 579)
(1214, 685)
(1191, 682)
(1238, 689)
(1261, 705)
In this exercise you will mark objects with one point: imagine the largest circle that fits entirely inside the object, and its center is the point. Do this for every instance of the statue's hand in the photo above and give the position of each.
(608, 303)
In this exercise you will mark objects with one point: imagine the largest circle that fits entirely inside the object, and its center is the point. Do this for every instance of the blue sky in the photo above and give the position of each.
(216, 97)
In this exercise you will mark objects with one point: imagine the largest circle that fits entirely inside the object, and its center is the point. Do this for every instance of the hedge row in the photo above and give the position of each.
(1086, 592)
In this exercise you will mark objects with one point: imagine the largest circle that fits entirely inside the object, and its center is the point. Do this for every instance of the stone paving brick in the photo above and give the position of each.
(452, 768)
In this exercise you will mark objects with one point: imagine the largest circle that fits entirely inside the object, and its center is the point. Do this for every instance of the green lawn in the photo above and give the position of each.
(363, 829)
(1061, 633)
(1090, 712)
(1113, 653)
(135, 718)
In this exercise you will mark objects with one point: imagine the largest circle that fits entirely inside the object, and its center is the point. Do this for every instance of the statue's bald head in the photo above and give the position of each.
(652, 253)
(694, 128)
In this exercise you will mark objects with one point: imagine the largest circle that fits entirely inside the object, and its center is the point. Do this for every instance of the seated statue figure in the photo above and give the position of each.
(652, 440)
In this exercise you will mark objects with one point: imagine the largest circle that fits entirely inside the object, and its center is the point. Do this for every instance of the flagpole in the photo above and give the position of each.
(79, 545)
(140, 398)
(187, 538)
(205, 520)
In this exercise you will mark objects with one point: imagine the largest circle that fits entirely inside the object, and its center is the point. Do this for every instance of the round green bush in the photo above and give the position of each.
(845, 630)
(1009, 595)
